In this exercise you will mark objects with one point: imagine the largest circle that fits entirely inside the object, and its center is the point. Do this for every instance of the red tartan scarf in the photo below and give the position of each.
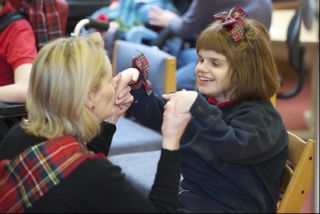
(141, 63)
(30, 175)
(44, 19)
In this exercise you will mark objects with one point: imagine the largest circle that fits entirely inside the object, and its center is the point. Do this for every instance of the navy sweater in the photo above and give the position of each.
(233, 155)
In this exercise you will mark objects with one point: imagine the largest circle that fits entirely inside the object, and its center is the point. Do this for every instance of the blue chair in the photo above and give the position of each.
(162, 65)
(140, 168)
(131, 136)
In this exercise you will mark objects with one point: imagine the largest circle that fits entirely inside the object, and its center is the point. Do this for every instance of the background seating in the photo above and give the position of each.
(298, 112)
(10, 111)
(131, 136)
(61, 6)
(139, 168)
(162, 72)
(298, 176)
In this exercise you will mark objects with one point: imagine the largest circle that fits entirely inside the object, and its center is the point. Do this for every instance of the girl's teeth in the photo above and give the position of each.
(205, 79)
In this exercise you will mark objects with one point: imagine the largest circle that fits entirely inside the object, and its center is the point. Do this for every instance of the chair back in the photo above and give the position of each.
(162, 73)
(298, 176)
(273, 100)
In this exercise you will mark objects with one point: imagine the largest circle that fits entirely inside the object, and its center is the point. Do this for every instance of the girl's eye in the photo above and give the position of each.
(214, 63)
(200, 59)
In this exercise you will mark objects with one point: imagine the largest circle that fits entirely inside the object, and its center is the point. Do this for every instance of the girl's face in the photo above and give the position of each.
(213, 75)
(103, 99)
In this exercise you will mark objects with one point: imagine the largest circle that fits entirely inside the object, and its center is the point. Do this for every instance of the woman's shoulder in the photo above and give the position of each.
(16, 141)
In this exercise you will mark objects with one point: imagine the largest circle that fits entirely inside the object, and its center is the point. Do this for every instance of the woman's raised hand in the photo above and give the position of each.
(184, 99)
(176, 117)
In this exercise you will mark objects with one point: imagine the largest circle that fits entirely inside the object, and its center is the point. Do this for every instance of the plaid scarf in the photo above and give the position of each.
(44, 19)
(141, 63)
(30, 175)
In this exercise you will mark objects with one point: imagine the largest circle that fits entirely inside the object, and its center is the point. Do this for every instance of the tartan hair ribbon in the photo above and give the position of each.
(234, 19)
(141, 63)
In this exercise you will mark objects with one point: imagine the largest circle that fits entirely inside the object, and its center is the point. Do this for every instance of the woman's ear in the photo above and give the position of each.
(89, 101)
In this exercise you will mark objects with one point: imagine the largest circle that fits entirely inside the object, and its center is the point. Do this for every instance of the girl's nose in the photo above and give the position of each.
(201, 67)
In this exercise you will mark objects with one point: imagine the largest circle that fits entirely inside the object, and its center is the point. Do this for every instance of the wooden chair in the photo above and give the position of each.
(298, 176)
(273, 100)
(162, 72)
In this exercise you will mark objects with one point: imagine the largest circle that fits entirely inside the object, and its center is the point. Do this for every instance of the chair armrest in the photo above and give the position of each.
(12, 109)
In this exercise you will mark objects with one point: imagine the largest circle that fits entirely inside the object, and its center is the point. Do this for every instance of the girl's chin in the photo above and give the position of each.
(203, 91)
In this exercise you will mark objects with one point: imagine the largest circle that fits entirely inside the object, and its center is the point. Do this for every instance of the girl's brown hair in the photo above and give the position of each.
(252, 66)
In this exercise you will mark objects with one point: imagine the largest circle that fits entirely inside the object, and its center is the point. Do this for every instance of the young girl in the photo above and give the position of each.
(235, 146)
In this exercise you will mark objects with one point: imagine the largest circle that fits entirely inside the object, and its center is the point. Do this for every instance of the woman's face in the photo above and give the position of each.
(103, 99)
(213, 76)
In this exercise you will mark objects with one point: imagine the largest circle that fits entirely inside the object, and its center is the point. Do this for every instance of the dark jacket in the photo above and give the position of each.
(232, 155)
(97, 185)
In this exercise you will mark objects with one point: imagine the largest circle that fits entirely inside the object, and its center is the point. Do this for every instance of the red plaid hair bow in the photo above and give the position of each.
(235, 20)
(141, 63)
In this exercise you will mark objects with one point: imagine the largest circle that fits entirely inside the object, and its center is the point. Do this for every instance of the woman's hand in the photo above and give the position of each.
(184, 99)
(175, 120)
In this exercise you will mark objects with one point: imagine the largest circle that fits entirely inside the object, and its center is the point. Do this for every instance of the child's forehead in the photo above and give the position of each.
(211, 54)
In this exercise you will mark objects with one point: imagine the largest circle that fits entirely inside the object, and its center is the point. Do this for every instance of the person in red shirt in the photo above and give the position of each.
(17, 53)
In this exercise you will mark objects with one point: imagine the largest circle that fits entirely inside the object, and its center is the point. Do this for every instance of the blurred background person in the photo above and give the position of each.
(17, 53)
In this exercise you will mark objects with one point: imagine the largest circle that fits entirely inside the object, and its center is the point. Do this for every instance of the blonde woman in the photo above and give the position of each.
(45, 163)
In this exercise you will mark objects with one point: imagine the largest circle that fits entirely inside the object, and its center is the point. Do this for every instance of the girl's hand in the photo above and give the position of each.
(184, 99)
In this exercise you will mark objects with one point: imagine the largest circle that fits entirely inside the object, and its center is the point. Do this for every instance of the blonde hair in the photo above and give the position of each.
(64, 71)
(252, 65)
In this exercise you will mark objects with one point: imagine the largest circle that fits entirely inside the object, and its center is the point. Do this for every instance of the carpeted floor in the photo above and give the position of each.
(293, 109)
